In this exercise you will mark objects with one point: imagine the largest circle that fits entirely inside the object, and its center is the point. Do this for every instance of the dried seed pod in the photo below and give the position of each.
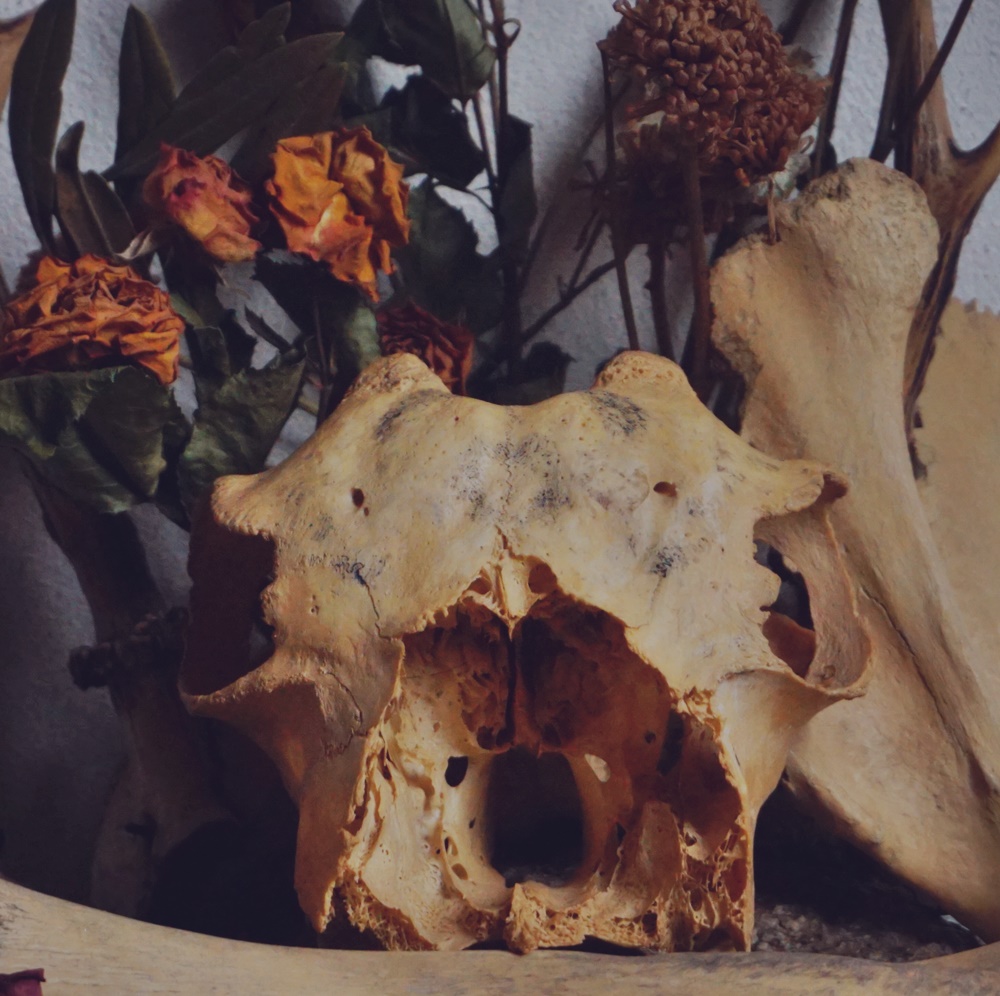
(711, 74)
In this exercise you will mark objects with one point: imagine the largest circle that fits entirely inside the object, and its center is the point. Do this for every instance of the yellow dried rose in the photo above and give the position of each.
(205, 198)
(446, 349)
(89, 314)
(341, 200)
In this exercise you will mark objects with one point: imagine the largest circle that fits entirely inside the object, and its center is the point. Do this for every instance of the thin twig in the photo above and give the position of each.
(898, 45)
(491, 177)
(616, 234)
(567, 299)
(585, 252)
(701, 321)
(934, 71)
(837, 65)
(657, 287)
(512, 338)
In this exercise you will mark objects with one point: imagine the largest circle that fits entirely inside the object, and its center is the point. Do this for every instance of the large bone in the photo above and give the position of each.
(817, 324)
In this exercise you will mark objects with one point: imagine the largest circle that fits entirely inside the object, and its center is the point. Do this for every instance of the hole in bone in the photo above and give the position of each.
(665, 488)
(455, 772)
(793, 596)
(358, 497)
(228, 637)
(673, 744)
(534, 818)
(788, 628)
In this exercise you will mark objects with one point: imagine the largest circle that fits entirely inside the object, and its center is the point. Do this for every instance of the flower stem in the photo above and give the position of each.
(617, 242)
(931, 77)
(837, 65)
(509, 270)
(701, 320)
(657, 287)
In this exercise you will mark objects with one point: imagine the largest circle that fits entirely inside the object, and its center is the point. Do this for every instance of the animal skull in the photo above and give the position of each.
(525, 681)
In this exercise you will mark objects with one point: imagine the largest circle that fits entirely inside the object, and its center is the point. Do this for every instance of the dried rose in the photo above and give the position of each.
(89, 314)
(341, 200)
(206, 199)
(712, 74)
(446, 349)
(27, 983)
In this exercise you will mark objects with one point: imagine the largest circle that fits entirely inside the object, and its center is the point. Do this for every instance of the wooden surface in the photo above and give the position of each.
(84, 951)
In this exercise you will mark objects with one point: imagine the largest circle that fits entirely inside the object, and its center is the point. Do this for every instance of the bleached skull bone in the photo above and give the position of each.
(524, 680)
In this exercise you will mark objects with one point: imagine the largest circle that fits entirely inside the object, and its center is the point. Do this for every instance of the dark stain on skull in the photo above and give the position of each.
(550, 498)
(619, 415)
(348, 567)
(410, 403)
(322, 528)
(388, 420)
(666, 560)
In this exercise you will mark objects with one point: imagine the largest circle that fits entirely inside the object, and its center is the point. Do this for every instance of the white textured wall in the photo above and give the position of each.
(58, 747)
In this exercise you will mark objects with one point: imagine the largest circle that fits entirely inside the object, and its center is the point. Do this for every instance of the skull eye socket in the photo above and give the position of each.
(789, 627)
(228, 637)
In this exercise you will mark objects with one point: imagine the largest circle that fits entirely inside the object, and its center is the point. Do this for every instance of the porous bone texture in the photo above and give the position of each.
(517, 665)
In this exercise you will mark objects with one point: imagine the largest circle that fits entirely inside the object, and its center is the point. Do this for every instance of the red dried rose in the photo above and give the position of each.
(446, 349)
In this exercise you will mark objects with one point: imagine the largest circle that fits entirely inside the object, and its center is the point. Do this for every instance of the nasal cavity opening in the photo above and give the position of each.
(789, 627)
(534, 816)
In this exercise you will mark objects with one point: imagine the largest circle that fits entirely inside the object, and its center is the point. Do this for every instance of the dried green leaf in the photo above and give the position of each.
(432, 135)
(12, 35)
(91, 216)
(218, 352)
(442, 271)
(266, 33)
(245, 94)
(237, 424)
(35, 103)
(97, 436)
(145, 82)
(311, 106)
(445, 38)
(518, 204)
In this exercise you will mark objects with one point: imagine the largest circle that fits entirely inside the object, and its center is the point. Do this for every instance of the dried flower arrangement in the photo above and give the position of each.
(466, 579)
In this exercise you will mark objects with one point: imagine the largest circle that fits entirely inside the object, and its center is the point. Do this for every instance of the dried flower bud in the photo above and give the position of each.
(446, 349)
(204, 197)
(89, 314)
(341, 200)
(713, 75)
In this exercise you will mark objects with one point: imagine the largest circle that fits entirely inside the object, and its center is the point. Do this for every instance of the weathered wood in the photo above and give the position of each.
(84, 951)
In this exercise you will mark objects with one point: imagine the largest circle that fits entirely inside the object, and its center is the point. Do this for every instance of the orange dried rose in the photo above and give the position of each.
(89, 314)
(206, 199)
(341, 200)
(446, 349)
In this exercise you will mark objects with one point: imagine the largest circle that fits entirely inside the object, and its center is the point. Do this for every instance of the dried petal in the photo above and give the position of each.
(205, 198)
